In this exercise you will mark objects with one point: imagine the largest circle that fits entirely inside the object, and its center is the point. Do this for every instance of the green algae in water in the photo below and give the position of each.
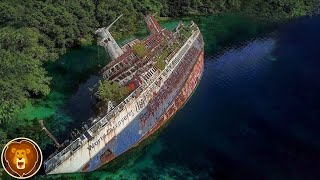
(223, 30)
(31, 112)
(43, 108)
(170, 25)
(68, 73)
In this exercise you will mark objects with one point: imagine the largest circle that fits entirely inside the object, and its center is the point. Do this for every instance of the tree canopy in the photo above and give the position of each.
(111, 91)
(140, 49)
(271, 9)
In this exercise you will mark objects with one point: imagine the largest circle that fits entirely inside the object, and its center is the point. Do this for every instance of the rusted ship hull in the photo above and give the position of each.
(123, 142)
(183, 97)
(143, 112)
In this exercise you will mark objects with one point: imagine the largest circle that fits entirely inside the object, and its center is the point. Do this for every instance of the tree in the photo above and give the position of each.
(24, 40)
(111, 91)
(21, 77)
(160, 64)
(140, 50)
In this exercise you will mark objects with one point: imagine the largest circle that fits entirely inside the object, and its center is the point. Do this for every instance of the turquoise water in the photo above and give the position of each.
(75, 71)
(254, 115)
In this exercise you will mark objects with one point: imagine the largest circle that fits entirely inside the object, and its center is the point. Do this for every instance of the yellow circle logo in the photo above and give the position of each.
(21, 158)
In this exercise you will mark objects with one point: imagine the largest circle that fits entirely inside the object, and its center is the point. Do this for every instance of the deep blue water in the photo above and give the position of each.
(256, 112)
(255, 115)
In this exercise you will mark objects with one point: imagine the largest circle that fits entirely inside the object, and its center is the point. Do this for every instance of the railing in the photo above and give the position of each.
(105, 119)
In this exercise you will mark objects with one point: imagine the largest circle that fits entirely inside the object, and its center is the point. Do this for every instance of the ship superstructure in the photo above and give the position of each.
(160, 81)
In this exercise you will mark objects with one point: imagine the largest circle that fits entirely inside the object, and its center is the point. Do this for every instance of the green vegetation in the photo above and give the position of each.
(33, 34)
(86, 40)
(172, 46)
(184, 33)
(271, 10)
(160, 64)
(140, 50)
(111, 91)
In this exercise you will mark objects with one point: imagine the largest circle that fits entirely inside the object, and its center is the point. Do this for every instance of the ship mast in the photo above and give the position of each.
(108, 42)
(49, 134)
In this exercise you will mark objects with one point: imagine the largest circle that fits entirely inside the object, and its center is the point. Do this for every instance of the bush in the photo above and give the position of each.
(111, 91)
(160, 63)
(140, 50)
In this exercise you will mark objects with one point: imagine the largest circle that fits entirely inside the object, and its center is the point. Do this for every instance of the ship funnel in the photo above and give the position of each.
(108, 42)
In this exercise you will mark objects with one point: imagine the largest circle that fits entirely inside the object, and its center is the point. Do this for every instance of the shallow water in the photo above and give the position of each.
(254, 115)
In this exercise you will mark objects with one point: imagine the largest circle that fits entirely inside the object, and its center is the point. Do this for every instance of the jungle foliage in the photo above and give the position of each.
(34, 32)
(271, 9)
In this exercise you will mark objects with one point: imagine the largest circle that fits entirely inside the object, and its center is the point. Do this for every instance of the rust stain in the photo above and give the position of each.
(183, 96)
